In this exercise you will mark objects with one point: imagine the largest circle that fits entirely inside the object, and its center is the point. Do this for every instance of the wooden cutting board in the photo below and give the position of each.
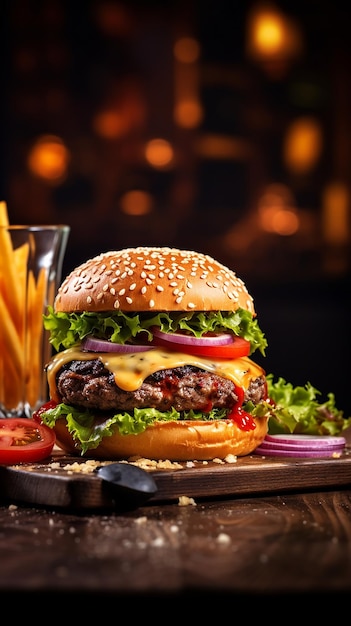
(57, 483)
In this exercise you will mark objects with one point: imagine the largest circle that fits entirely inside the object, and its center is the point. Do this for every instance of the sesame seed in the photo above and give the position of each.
(143, 290)
(132, 287)
(129, 300)
(113, 291)
(89, 300)
(191, 305)
(121, 292)
(159, 288)
(151, 304)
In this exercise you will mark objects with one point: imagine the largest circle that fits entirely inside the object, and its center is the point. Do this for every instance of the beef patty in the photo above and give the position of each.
(89, 384)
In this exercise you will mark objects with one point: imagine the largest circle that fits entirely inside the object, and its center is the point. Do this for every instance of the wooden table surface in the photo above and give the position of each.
(276, 545)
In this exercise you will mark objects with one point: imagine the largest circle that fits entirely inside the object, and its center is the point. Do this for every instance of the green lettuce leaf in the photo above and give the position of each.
(297, 410)
(69, 329)
(88, 431)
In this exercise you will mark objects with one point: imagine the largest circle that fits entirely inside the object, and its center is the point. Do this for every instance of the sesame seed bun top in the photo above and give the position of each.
(152, 279)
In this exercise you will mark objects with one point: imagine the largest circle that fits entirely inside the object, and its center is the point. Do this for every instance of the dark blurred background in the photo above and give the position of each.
(218, 126)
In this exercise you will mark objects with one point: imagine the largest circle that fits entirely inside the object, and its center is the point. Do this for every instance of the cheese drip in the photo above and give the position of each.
(130, 370)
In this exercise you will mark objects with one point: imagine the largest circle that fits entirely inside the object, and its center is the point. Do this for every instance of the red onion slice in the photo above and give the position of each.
(303, 442)
(220, 339)
(290, 445)
(330, 453)
(91, 344)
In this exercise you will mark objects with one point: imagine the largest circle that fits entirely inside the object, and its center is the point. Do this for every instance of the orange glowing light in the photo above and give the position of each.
(273, 38)
(49, 158)
(188, 113)
(269, 33)
(276, 213)
(215, 146)
(159, 153)
(136, 202)
(110, 124)
(186, 50)
(336, 213)
(303, 144)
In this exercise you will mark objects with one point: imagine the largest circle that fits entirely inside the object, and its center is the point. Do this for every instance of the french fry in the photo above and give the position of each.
(4, 218)
(20, 256)
(12, 349)
(35, 329)
(23, 298)
(9, 285)
(10, 339)
(13, 388)
(12, 286)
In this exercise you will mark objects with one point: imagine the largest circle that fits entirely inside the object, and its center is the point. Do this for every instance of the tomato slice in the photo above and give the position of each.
(45, 407)
(238, 348)
(23, 439)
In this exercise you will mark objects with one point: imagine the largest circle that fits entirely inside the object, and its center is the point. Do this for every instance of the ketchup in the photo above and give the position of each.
(241, 418)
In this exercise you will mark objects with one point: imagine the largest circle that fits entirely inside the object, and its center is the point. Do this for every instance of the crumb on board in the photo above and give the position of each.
(336, 455)
(88, 466)
(223, 538)
(186, 501)
(141, 520)
(230, 458)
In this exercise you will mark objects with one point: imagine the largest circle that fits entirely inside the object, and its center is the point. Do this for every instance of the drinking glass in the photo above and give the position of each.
(31, 260)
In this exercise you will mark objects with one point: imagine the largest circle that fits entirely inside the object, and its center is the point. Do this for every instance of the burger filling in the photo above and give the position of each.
(89, 384)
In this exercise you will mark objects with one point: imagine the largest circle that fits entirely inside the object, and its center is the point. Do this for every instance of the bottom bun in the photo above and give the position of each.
(175, 441)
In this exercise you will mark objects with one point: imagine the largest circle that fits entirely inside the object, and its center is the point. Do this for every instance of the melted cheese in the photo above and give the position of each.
(130, 370)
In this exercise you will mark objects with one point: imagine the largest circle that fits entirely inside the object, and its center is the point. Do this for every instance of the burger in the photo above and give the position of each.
(152, 358)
